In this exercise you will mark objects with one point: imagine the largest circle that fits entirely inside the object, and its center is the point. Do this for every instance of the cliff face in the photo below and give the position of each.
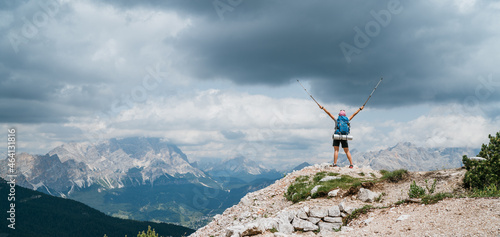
(268, 213)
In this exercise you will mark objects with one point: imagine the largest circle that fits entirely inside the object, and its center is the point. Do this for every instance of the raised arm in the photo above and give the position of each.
(326, 111)
(352, 116)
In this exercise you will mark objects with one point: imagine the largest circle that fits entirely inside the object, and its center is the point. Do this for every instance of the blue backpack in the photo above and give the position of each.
(343, 126)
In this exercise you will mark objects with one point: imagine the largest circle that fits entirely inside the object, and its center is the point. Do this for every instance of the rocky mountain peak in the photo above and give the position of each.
(406, 155)
(112, 163)
(403, 146)
(235, 165)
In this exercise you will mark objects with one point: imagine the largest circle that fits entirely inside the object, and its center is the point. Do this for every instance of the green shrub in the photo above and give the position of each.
(416, 191)
(490, 191)
(302, 178)
(432, 188)
(483, 174)
(431, 199)
(394, 176)
(149, 233)
(356, 213)
(298, 191)
(318, 176)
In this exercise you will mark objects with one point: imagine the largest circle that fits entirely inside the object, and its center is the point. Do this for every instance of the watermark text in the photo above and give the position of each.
(11, 178)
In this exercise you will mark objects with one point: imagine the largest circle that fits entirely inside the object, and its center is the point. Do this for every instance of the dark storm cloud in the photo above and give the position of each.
(425, 52)
(271, 45)
(45, 71)
(43, 90)
(192, 7)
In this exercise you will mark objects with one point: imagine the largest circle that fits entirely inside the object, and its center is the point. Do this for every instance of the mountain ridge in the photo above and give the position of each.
(406, 155)
(122, 171)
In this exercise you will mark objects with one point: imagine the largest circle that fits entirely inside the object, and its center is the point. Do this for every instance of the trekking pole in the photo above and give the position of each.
(373, 91)
(308, 93)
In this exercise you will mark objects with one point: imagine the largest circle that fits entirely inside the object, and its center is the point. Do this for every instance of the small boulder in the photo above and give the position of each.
(318, 212)
(234, 231)
(333, 219)
(315, 189)
(314, 220)
(303, 225)
(333, 193)
(284, 227)
(366, 195)
(329, 178)
(328, 227)
(334, 211)
(403, 217)
(302, 214)
(286, 215)
(342, 206)
(251, 229)
(350, 210)
(306, 209)
(267, 224)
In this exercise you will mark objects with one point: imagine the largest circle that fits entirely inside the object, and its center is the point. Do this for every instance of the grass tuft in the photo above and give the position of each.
(301, 188)
(394, 176)
(356, 213)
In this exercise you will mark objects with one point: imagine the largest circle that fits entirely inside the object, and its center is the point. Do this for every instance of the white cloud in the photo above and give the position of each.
(277, 132)
(196, 122)
(443, 126)
(465, 6)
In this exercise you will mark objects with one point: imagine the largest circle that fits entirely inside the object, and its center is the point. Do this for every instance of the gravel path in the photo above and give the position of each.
(450, 217)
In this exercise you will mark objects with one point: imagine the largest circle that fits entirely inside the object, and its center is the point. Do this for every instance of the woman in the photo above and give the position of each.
(344, 143)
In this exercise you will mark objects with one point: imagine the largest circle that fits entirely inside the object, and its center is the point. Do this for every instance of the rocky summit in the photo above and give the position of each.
(267, 212)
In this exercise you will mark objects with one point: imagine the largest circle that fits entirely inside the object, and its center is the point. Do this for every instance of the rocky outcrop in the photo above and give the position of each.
(308, 217)
(322, 219)
(284, 218)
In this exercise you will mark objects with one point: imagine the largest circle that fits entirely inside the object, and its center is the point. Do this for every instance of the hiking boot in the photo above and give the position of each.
(350, 166)
(334, 165)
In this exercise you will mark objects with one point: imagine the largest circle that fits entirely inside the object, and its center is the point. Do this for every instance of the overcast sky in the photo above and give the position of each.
(219, 78)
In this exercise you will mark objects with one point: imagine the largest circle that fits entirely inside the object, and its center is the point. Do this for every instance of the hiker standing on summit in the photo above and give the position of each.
(340, 125)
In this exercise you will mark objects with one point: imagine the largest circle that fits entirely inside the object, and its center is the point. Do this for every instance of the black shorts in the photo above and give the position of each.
(338, 142)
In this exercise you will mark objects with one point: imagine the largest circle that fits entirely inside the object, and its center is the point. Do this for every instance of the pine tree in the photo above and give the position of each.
(483, 174)
(150, 233)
